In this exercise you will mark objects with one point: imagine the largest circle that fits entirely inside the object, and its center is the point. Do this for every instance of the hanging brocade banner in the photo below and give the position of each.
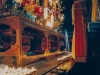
(94, 10)
(73, 15)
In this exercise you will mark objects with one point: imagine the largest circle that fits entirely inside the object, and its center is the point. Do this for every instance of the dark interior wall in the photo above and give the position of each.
(67, 5)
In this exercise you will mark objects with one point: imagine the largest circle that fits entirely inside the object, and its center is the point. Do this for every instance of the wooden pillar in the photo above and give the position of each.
(58, 43)
(80, 44)
(45, 3)
(54, 3)
(47, 48)
(19, 42)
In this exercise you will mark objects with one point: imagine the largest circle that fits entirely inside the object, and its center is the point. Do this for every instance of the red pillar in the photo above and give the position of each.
(80, 38)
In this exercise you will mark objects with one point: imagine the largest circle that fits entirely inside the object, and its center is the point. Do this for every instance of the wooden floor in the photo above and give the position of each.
(88, 68)
(44, 66)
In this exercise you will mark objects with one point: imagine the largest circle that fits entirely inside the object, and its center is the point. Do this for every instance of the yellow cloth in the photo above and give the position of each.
(73, 15)
(73, 44)
(94, 10)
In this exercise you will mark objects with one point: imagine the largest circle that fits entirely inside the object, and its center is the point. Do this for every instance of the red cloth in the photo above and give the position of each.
(26, 1)
(26, 44)
(38, 10)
